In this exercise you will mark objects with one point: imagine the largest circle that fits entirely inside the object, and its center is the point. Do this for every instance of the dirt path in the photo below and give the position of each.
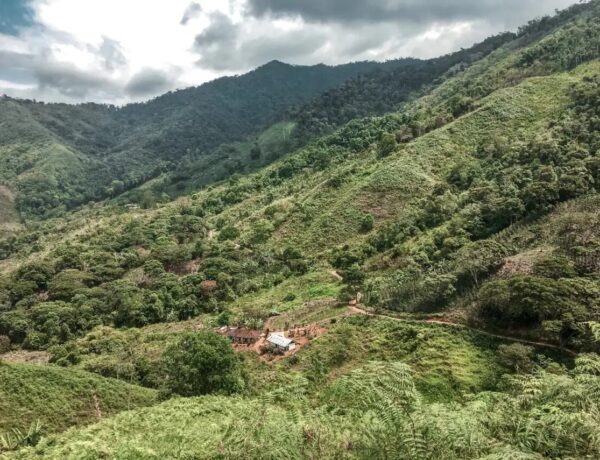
(336, 275)
(25, 357)
(360, 311)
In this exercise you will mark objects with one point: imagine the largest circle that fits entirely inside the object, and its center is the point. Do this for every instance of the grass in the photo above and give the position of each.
(448, 363)
(61, 398)
(317, 285)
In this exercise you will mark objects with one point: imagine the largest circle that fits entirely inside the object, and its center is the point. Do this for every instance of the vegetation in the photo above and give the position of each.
(202, 363)
(472, 201)
(373, 412)
(56, 156)
(54, 399)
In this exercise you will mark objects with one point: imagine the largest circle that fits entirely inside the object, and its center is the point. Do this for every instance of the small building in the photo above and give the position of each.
(279, 341)
(242, 336)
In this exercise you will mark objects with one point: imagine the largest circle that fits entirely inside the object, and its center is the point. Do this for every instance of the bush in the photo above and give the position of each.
(202, 363)
(366, 223)
(228, 233)
(555, 267)
(387, 145)
(516, 357)
(4, 344)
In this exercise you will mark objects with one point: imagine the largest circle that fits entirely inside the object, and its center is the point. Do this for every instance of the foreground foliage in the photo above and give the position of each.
(59, 398)
(373, 412)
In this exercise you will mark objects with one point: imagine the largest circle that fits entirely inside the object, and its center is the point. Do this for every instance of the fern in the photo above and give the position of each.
(16, 439)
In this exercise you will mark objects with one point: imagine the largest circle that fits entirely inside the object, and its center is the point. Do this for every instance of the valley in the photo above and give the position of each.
(374, 260)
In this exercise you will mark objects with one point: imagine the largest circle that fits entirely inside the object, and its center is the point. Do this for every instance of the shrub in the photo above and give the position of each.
(228, 233)
(516, 357)
(555, 267)
(4, 344)
(202, 363)
(386, 145)
(366, 223)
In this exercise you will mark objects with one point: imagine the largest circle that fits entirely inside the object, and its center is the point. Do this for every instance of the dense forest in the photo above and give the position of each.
(58, 156)
(433, 223)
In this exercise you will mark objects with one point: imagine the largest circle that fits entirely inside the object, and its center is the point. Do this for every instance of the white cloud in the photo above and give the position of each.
(118, 51)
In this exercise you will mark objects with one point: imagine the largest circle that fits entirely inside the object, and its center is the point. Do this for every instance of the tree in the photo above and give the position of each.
(517, 357)
(387, 145)
(256, 152)
(477, 259)
(261, 231)
(202, 363)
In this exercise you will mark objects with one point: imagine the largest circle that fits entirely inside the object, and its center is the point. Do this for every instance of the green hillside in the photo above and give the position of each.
(57, 156)
(60, 398)
(378, 414)
(401, 211)
(438, 266)
(8, 214)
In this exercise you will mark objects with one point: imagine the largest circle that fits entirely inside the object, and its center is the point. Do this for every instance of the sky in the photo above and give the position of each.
(120, 51)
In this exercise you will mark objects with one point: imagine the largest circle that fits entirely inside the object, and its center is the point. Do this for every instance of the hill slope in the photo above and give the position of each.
(378, 414)
(73, 154)
(60, 398)
(473, 204)
(94, 145)
(402, 199)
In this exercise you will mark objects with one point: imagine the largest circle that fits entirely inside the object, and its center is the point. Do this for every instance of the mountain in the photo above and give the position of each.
(436, 265)
(382, 89)
(57, 156)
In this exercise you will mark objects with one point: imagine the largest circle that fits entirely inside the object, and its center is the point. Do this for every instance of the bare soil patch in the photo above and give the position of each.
(25, 357)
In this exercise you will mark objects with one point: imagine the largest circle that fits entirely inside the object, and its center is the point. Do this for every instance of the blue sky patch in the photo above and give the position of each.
(14, 15)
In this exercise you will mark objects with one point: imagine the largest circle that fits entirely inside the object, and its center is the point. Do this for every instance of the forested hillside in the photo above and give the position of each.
(437, 266)
(57, 156)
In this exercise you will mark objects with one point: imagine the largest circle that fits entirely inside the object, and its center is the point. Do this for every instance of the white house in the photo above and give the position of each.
(278, 340)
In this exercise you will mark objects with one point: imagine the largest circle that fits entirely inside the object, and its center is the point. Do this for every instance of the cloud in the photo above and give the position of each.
(60, 77)
(192, 11)
(509, 12)
(74, 51)
(71, 81)
(111, 53)
(228, 46)
(220, 31)
(149, 82)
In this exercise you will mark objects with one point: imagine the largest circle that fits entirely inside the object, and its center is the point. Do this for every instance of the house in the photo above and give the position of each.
(279, 341)
(241, 336)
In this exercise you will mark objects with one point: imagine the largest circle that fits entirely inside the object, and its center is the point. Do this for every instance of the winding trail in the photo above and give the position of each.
(361, 311)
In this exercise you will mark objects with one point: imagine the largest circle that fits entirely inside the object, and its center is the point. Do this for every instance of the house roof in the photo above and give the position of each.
(243, 333)
(279, 340)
